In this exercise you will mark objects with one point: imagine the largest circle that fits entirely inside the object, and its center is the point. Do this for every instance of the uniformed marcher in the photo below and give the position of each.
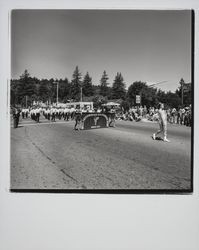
(37, 112)
(16, 115)
(48, 113)
(72, 113)
(112, 117)
(27, 111)
(78, 119)
(66, 113)
(23, 113)
(53, 114)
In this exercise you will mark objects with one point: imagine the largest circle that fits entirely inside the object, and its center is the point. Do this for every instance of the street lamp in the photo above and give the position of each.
(57, 90)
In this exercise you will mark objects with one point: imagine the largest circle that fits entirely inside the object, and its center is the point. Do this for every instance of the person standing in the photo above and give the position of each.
(23, 113)
(162, 123)
(16, 115)
(48, 113)
(66, 113)
(37, 112)
(112, 117)
(53, 114)
(27, 111)
(78, 119)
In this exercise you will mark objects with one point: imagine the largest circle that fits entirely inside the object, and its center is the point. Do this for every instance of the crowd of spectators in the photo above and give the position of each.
(182, 116)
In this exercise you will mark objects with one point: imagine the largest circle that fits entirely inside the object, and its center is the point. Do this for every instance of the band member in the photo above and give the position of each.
(112, 117)
(66, 113)
(53, 114)
(162, 123)
(16, 115)
(48, 114)
(27, 111)
(60, 113)
(23, 113)
(37, 112)
(78, 119)
(72, 113)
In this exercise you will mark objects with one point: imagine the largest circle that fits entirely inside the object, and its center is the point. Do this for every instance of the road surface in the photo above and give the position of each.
(54, 156)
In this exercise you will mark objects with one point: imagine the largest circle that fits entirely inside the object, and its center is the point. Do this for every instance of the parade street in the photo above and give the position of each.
(50, 155)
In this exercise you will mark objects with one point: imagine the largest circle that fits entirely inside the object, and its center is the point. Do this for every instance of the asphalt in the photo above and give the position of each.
(54, 156)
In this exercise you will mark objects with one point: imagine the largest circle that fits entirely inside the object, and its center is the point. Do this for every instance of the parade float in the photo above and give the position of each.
(102, 118)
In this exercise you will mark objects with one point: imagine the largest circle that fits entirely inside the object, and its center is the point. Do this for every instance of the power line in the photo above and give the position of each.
(154, 84)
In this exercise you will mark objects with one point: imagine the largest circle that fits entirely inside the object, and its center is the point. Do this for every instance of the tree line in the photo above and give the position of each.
(27, 89)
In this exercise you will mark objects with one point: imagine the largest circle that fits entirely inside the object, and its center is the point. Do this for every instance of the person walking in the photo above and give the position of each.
(162, 123)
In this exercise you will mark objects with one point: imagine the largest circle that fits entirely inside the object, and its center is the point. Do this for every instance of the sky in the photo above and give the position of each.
(144, 45)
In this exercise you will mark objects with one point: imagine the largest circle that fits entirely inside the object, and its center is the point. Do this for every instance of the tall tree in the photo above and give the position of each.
(87, 85)
(26, 86)
(171, 100)
(25, 75)
(43, 90)
(184, 92)
(13, 92)
(76, 84)
(104, 90)
(133, 90)
(64, 90)
(118, 89)
(147, 94)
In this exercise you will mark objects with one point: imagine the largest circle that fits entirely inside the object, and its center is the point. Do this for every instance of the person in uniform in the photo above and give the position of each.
(53, 114)
(66, 113)
(48, 113)
(23, 113)
(78, 119)
(57, 112)
(37, 113)
(112, 117)
(60, 113)
(27, 111)
(162, 119)
(33, 114)
(16, 115)
(72, 113)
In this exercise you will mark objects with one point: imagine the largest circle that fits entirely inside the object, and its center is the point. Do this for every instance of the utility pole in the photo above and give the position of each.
(57, 92)
(80, 93)
(154, 84)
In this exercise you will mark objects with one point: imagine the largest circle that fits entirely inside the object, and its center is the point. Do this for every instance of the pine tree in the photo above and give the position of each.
(64, 90)
(26, 87)
(118, 89)
(25, 75)
(87, 85)
(76, 84)
(104, 91)
(43, 90)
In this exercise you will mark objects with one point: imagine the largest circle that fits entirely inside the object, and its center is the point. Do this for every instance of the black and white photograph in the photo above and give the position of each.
(101, 100)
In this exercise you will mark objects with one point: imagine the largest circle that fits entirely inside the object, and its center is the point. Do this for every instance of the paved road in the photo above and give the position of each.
(54, 156)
